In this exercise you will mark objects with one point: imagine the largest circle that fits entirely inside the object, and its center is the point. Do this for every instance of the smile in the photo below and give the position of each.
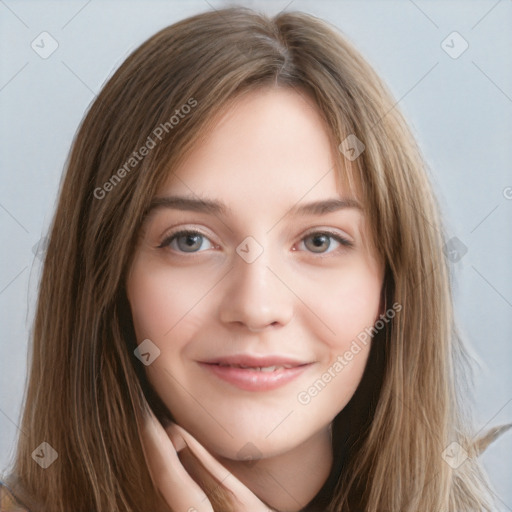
(255, 374)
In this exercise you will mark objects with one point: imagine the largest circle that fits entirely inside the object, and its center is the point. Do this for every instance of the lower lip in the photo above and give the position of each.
(256, 380)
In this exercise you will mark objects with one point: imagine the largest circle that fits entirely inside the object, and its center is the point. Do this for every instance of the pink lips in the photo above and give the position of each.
(252, 373)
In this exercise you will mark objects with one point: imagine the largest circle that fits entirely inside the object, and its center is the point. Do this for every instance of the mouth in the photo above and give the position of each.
(271, 368)
(252, 373)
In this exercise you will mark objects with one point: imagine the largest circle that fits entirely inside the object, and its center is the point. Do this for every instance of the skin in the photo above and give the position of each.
(270, 151)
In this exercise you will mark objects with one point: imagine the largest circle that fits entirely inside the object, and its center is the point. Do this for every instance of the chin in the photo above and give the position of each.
(247, 439)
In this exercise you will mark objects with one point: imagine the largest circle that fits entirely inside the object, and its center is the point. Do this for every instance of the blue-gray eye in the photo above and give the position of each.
(322, 241)
(185, 241)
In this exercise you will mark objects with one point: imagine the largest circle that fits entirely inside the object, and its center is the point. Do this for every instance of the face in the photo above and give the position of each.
(255, 298)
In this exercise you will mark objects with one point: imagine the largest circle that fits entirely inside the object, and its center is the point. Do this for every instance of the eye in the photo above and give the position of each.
(321, 242)
(185, 241)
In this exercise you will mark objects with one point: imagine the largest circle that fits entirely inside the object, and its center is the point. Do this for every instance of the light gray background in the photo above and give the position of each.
(460, 111)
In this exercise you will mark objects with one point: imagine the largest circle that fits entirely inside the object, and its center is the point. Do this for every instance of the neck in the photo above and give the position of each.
(288, 482)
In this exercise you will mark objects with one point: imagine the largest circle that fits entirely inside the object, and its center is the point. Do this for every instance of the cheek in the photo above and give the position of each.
(168, 308)
(347, 303)
(163, 300)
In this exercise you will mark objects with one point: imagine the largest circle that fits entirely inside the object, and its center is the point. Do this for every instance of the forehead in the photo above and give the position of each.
(269, 143)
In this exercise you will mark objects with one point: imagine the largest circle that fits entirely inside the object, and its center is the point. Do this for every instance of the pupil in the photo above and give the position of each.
(319, 241)
(192, 241)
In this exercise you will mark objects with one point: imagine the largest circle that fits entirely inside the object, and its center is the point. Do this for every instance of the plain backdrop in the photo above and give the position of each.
(457, 100)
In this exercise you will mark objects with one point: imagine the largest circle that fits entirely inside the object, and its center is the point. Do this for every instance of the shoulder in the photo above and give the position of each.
(8, 502)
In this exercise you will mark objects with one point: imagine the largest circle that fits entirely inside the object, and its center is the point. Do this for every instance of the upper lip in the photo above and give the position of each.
(257, 361)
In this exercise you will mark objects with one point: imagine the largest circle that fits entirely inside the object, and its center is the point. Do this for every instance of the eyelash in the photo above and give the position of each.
(336, 236)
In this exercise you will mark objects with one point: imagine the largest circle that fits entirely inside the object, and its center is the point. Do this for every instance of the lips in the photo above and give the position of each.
(256, 373)
(252, 361)
(272, 368)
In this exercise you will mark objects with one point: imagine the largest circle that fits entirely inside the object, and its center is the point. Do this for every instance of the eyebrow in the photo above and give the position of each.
(218, 208)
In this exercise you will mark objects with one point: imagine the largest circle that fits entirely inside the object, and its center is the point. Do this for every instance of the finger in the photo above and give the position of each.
(178, 489)
(242, 493)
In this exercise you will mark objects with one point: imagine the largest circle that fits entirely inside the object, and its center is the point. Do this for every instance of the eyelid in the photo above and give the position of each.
(347, 240)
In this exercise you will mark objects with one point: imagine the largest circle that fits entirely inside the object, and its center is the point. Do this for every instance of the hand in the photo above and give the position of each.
(178, 488)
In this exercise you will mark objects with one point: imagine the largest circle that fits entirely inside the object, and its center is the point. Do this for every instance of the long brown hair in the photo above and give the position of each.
(86, 385)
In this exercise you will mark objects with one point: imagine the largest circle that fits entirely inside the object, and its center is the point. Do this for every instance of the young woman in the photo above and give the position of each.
(245, 304)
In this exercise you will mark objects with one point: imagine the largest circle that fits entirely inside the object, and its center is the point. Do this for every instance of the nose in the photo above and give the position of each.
(256, 296)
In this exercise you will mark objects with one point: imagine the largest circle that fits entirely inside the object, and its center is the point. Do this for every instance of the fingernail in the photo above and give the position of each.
(178, 442)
